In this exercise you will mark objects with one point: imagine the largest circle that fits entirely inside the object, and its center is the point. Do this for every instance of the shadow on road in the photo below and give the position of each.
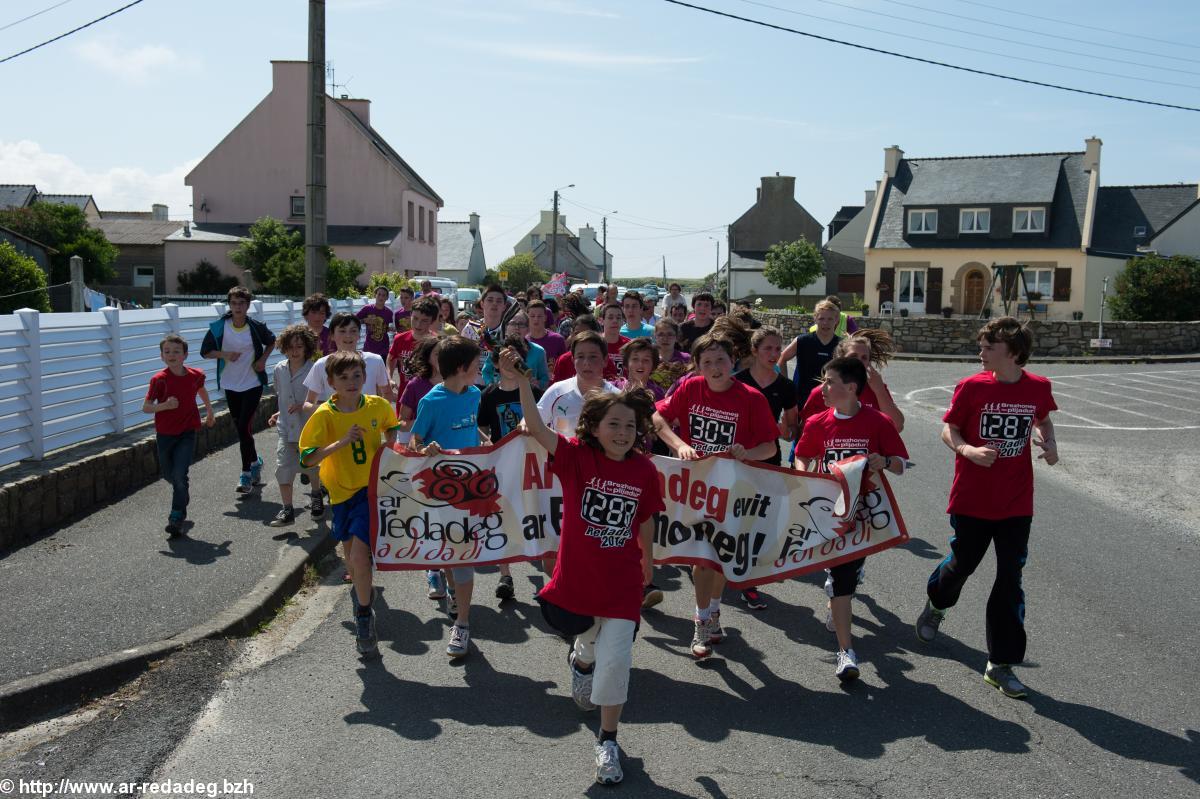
(196, 551)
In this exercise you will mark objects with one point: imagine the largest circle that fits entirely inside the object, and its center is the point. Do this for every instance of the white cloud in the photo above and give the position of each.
(138, 65)
(119, 188)
(583, 58)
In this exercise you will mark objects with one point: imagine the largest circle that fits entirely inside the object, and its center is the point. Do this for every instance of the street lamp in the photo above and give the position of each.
(554, 231)
(718, 272)
(604, 246)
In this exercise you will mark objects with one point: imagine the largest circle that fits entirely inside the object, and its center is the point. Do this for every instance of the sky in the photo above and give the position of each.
(664, 118)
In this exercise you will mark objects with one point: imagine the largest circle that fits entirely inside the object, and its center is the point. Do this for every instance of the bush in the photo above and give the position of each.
(1152, 288)
(21, 275)
(205, 279)
(394, 281)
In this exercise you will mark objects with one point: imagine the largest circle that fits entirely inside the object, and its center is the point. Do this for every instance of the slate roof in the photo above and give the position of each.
(80, 201)
(16, 195)
(846, 213)
(14, 234)
(1053, 179)
(136, 231)
(455, 241)
(1120, 209)
(338, 235)
(741, 262)
(389, 153)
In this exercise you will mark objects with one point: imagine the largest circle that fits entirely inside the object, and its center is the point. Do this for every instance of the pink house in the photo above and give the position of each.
(380, 211)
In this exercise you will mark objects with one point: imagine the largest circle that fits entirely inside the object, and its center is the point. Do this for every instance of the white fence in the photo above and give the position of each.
(66, 378)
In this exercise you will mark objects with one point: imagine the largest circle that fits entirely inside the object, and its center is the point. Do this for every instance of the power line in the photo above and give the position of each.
(34, 291)
(932, 62)
(524, 221)
(1079, 25)
(622, 220)
(35, 14)
(986, 52)
(68, 33)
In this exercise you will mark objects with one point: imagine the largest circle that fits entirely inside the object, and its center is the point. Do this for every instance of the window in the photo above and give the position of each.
(432, 225)
(297, 206)
(412, 222)
(974, 220)
(911, 283)
(421, 222)
(535, 239)
(922, 221)
(1029, 220)
(1039, 281)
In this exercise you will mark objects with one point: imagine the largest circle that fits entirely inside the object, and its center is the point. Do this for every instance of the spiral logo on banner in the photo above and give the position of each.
(462, 485)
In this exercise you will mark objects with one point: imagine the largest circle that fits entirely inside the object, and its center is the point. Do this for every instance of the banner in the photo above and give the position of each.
(555, 286)
(757, 523)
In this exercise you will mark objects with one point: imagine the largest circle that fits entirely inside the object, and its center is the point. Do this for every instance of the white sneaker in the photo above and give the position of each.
(581, 686)
(716, 633)
(608, 763)
(701, 648)
(460, 641)
(847, 665)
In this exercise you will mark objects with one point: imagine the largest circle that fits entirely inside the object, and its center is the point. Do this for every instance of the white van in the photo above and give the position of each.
(590, 290)
(442, 285)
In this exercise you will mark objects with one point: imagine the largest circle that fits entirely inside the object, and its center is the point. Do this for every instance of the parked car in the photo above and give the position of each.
(650, 291)
(443, 286)
(467, 299)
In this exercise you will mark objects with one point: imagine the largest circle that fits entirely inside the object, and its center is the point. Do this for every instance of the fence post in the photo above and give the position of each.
(173, 317)
(31, 322)
(289, 308)
(112, 318)
(256, 309)
(77, 284)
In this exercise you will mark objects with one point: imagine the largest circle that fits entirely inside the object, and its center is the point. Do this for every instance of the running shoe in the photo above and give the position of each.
(256, 472)
(929, 621)
(847, 665)
(436, 583)
(175, 524)
(244, 486)
(608, 763)
(716, 634)
(460, 639)
(753, 599)
(365, 640)
(316, 508)
(1000, 676)
(581, 685)
(504, 589)
(701, 648)
(651, 595)
(285, 517)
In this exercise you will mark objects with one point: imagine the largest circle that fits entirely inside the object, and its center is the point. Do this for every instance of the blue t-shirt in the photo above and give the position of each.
(645, 331)
(535, 360)
(449, 419)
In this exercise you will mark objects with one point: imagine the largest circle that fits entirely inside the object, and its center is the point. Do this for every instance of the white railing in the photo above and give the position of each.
(66, 378)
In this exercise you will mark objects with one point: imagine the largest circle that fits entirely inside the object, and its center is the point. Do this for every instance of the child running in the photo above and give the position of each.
(715, 414)
(874, 348)
(342, 437)
(845, 429)
(610, 495)
(298, 343)
(171, 397)
(989, 424)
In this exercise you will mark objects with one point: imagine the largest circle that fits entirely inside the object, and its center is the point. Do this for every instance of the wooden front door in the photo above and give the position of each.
(973, 293)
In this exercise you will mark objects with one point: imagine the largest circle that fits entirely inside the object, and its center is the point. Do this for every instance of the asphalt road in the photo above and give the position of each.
(1111, 600)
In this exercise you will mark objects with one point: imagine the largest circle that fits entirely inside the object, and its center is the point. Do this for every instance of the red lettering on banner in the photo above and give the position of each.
(698, 495)
(537, 475)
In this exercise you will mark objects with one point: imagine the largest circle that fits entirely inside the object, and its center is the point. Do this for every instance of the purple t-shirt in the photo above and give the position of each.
(554, 345)
(376, 322)
(417, 387)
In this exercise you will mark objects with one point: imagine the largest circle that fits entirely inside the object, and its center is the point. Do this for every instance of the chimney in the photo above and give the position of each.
(891, 160)
(474, 224)
(868, 197)
(757, 194)
(360, 108)
(776, 188)
(158, 212)
(187, 229)
(587, 233)
(562, 222)
(1091, 156)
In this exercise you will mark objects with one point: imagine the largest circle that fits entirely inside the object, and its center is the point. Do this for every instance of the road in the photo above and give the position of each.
(1110, 592)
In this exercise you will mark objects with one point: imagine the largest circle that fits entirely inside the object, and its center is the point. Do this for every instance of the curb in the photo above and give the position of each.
(1112, 359)
(60, 689)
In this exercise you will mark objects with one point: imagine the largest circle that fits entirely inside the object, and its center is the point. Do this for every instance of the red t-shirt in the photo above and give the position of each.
(402, 347)
(1002, 415)
(599, 567)
(713, 421)
(564, 368)
(184, 388)
(816, 403)
(830, 438)
(614, 352)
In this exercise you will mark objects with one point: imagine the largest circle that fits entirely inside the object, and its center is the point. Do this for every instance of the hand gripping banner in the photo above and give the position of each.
(501, 504)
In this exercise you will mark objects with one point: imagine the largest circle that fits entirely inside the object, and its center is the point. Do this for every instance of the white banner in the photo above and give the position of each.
(501, 504)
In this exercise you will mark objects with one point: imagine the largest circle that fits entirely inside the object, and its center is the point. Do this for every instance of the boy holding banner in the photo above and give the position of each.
(715, 414)
(610, 495)
(989, 424)
(845, 429)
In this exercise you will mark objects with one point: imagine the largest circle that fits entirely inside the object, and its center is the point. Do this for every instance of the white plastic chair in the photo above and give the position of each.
(885, 309)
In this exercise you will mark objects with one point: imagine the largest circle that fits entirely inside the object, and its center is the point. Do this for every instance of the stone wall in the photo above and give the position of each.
(956, 336)
(37, 496)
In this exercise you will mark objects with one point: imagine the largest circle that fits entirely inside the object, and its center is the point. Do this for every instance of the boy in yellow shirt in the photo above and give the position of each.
(342, 436)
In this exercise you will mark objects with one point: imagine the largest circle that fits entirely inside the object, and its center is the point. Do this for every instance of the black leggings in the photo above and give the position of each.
(242, 405)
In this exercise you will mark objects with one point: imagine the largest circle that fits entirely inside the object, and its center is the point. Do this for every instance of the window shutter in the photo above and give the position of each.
(933, 290)
(1062, 284)
(887, 277)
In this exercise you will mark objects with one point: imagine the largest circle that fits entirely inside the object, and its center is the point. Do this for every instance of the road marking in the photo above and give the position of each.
(1149, 402)
(1113, 408)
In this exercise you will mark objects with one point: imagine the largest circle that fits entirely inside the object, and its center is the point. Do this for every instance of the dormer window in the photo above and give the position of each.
(974, 220)
(1029, 220)
(922, 221)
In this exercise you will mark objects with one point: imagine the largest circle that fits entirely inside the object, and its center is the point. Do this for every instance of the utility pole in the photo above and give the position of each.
(664, 271)
(315, 232)
(77, 288)
(554, 238)
(604, 246)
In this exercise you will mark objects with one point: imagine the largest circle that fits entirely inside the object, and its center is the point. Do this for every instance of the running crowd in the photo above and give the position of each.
(602, 386)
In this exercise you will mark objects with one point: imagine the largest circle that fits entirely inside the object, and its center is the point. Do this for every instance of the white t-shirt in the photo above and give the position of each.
(376, 377)
(668, 301)
(238, 375)
(562, 403)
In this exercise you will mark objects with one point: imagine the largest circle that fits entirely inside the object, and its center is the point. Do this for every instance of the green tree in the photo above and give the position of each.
(394, 281)
(490, 276)
(522, 271)
(713, 282)
(21, 275)
(65, 228)
(205, 279)
(274, 255)
(793, 265)
(341, 279)
(1152, 288)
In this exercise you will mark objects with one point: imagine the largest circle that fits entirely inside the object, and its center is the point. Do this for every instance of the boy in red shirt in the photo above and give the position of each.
(420, 320)
(989, 424)
(715, 413)
(171, 397)
(611, 319)
(845, 429)
(610, 495)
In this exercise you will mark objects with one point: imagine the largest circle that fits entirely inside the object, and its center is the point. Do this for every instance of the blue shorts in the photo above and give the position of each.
(353, 518)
